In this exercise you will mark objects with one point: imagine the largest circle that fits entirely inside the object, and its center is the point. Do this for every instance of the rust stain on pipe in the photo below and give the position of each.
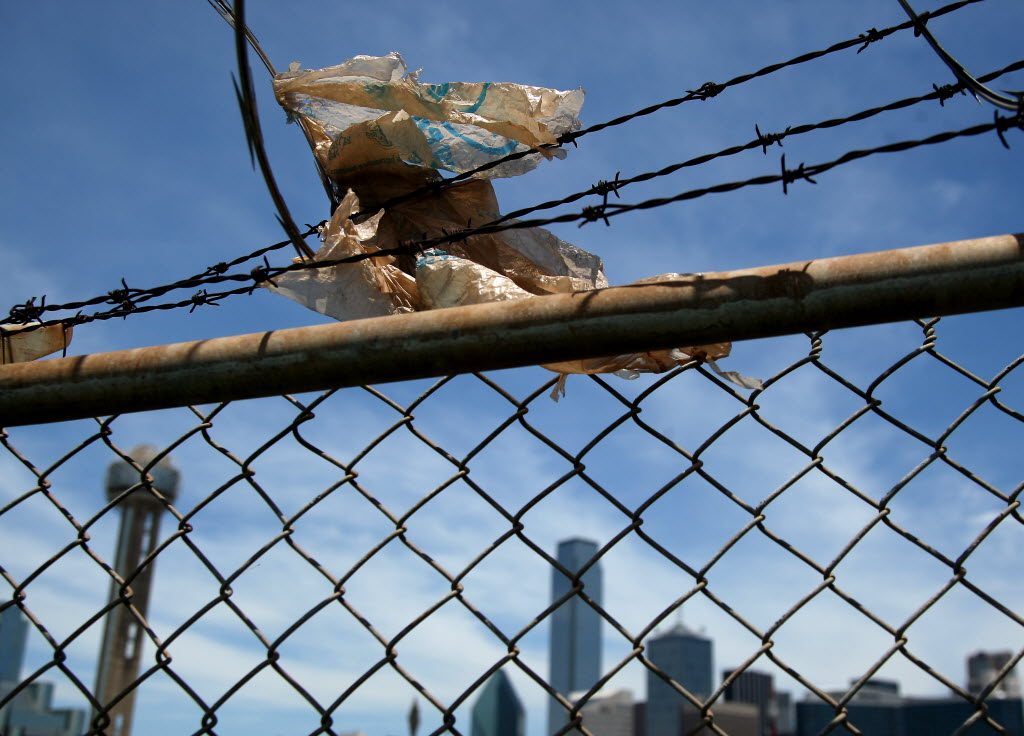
(933, 280)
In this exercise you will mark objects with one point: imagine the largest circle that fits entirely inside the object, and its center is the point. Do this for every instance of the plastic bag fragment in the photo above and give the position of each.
(448, 281)
(655, 361)
(18, 344)
(367, 112)
(381, 134)
(369, 288)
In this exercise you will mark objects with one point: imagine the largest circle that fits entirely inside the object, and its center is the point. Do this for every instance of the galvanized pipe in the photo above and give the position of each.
(933, 280)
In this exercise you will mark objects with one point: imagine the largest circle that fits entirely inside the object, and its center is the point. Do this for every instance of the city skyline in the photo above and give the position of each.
(753, 686)
(751, 705)
(681, 652)
(130, 109)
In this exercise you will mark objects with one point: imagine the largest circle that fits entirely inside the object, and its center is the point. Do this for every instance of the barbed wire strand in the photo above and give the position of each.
(588, 214)
(702, 93)
(763, 140)
(127, 299)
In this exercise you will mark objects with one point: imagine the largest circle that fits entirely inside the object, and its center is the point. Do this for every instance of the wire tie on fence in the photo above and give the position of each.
(706, 91)
(869, 37)
(791, 175)
(768, 139)
(593, 214)
(947, 91)
(64, 334)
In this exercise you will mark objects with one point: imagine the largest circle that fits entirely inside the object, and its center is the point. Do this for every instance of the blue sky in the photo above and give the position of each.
(124, 157)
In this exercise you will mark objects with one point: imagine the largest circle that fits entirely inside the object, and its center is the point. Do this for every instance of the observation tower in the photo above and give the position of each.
(121, 649)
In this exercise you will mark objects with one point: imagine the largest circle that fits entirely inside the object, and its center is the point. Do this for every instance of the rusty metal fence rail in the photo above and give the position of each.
(333, 555)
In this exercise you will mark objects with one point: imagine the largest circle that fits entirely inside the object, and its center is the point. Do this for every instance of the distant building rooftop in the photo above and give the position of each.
(680, 629)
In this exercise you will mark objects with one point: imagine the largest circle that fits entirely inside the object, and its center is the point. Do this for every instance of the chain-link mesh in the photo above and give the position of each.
(331, 557)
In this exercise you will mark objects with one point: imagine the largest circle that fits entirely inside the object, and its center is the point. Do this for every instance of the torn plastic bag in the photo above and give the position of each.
(368, 288)
(19, 344)
(367, 112)
(448, 281)
(655, 361)
(380, 133)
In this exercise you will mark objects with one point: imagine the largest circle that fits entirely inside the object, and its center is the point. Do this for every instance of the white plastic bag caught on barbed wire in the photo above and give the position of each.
(368, 111)
(382, 135)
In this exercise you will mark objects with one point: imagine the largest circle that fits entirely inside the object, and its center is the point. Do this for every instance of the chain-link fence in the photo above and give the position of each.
(331, 557)
(248, 539)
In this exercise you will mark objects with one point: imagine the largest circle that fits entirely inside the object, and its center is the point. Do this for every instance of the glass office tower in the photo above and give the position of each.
(498, 711)
(685, 656)
(575, 638)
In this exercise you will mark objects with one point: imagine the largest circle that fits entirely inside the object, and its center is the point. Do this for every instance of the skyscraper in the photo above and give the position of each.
(13, 635)
(121, 650)
(498, 711)
(685, 656)
(31, 711)
(575, 639)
